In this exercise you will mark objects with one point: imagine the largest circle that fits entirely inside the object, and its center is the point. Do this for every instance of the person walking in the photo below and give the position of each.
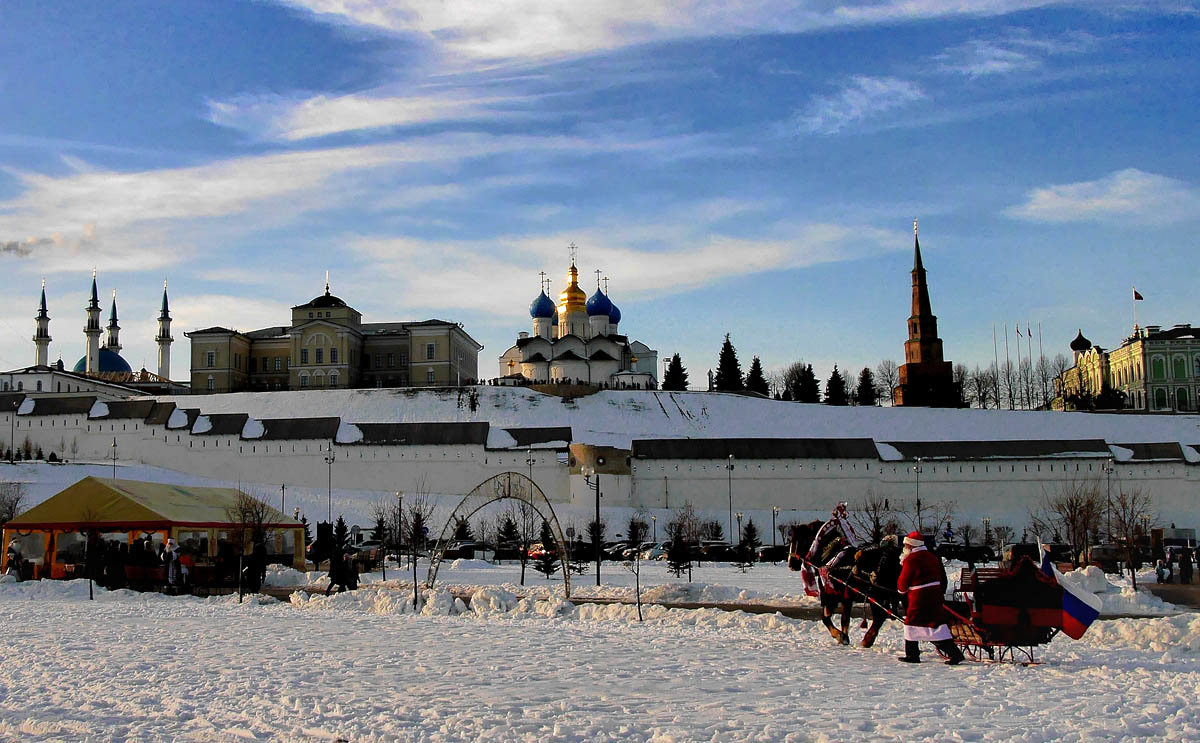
(923, 584)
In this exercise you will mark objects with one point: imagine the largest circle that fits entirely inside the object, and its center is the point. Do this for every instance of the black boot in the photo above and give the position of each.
(912, 652)
(954, 656)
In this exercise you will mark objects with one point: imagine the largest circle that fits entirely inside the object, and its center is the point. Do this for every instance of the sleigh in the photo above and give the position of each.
(1005, 614)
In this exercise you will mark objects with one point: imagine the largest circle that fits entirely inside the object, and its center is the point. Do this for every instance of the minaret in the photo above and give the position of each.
(92, 331)
(164, 339)
(114, 330)
(41, 336)
(926, 378)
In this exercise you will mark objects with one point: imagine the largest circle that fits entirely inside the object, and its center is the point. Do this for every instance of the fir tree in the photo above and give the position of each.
(547, 561)
(341, 534)
(679, 552)
(595, 536)
(462, 531)
(835, 389)
(808, 389)
(755, 381)
(729, 370)
(636, 530)
(712, 530)
(676, 378)
(379, 532)
(865, 393)
(750, 535)
(508, 535)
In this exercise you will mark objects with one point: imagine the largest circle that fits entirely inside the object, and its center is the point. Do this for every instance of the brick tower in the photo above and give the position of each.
(926, 379)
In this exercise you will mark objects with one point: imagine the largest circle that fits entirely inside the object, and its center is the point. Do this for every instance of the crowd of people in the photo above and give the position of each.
(1177, 565)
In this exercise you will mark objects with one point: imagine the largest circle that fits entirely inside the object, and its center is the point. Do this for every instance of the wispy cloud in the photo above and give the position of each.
(1016, 51)
(1126, 195)
(861, 99)
(508, 29)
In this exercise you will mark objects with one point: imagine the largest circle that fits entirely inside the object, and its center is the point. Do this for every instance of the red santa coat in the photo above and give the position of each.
(923, 581)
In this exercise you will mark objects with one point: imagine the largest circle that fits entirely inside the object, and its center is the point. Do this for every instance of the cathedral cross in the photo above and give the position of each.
(606, 285)
(914, 228)
(542, 282)
(598, 272)
(572, 250)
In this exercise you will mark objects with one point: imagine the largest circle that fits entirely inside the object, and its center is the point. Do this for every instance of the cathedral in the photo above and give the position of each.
(577, 341)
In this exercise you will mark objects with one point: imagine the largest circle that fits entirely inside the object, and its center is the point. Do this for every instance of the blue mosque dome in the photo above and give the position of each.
(110, 361)
(542, 307)
(598, 304)
(614, 315)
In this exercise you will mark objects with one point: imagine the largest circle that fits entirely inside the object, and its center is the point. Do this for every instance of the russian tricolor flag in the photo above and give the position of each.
(1080, 608)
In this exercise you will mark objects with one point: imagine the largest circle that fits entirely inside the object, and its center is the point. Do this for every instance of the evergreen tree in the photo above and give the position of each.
(595, 535)
(866, 393)
(712, 530)
(835, 389)
(379, 532)
(755, 381)
(808, 389)
(547, 561)
(462, 531)
(676, 378)
(636, 530)
(341, 534)
(508, 535)
(750, 535)
(679, 552)
(729, 370)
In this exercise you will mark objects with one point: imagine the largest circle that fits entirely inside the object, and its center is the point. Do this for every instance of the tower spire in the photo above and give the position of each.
(164, 339)
(165, 311)
(327, 282)
(114, 330)
(92, 331)
(41, 333)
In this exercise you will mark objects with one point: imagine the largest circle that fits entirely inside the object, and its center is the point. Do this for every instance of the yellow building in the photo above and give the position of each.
(328, 346)
(1154, 370)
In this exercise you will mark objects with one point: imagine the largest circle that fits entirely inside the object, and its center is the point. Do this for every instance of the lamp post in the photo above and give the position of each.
(739, 518)
(917, 472)
(729, 468)
(114, 457)
(1108, 471)
(588, 473)
(329, 458)
(283, 498)
(774, 531)
(654, 521)
(399, 524)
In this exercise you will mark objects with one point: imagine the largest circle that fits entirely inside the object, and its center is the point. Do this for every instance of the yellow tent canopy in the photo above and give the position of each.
(102, 502)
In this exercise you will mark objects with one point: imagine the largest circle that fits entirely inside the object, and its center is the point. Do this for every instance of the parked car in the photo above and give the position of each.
(717, 551)
(469, 550)
(1107, 557)
(772, 553)
(654, 550)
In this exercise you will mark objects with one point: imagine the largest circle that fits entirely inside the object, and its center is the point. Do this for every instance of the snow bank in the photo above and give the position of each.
(253, 429)
(99, 410)
(203, 424)
(348, 433)
(1180, 633)
(465, 564)
(1115, 594)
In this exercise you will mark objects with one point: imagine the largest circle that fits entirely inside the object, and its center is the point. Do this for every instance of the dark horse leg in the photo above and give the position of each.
(828, 604)
(878, 617)
(847, 607)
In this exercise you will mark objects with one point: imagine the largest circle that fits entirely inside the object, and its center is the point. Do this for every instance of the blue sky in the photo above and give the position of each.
(752, 170)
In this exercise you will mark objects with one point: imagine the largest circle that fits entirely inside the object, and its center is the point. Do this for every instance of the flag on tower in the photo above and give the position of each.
(1137, 297)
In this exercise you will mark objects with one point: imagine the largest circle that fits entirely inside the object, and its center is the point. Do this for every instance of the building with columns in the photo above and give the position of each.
(328, 346)
(578, 341)
(926, 378)
(1155, 370)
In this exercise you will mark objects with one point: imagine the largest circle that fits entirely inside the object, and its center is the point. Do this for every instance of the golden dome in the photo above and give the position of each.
(572, 298)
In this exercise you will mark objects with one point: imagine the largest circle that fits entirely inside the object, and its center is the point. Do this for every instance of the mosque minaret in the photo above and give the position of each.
(164, 339)
(41, 335)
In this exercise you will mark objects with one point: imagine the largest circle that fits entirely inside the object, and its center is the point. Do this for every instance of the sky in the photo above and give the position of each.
(749, 168)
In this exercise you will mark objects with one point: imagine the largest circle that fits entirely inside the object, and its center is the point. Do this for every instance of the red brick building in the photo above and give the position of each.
(926, 379)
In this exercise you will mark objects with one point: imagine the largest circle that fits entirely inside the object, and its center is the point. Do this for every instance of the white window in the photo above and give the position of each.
(303, 380)
(333, 379)
(320, 355)
(212, 359)
(333, 356)
(429, 375)
(430, 350)
(212, 384)
(278, 362)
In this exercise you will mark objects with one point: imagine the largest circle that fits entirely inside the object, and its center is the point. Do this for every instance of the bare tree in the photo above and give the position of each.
(12, 496)
(387, 510)
(249, 516)
(1132, 516)
(982, 383)
(1072, 513)
(887, 376)
(418, 513)
(1003, 534)
(790, 379)
(875, 517)
(1009, 387)
(962, 377)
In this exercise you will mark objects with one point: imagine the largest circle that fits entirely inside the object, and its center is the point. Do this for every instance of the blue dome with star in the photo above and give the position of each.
(598, 304)
(542, 307)
(614, 315)
(110, 361)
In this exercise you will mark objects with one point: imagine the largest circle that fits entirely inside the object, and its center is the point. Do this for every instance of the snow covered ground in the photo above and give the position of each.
(356, 667)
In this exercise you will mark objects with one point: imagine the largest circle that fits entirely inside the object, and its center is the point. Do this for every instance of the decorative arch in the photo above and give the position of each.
(504, 486)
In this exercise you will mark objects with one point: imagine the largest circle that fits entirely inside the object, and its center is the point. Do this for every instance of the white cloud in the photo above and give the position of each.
(1126, 195)
(863, 98)
(507, 29)
(280, 118)
(503, 272)
(1017, 51)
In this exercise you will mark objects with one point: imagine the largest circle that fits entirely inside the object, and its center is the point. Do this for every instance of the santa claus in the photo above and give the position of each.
(923, 583)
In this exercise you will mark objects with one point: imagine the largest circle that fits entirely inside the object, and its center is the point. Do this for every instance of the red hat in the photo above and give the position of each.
(914, 539)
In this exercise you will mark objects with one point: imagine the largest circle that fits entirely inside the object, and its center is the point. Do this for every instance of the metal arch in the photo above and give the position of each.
(497, 488)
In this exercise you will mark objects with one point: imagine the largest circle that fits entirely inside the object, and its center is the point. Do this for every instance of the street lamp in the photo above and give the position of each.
(654, 521)
(774, 531)
(329, 458)
(1108, 471)
(739, 518)
(588, 472)
(917, 472)
(729, 467)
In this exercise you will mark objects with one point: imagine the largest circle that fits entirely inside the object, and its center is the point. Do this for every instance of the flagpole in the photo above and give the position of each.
(996, 366)
(1008, 370)
(1135, 322)
(1020, 385)
(1042, 363)
(1029, 356)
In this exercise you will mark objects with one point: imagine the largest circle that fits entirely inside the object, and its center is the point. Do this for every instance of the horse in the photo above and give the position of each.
(846, 575)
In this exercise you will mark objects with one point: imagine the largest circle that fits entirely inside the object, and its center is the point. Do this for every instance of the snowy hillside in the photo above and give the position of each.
(616, 417)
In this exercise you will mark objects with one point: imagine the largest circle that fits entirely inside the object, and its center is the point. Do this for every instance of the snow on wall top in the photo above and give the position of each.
(253, 429)
(178, 418)
(203, 424)
(26, 406)
(99, 410)
(617, 417)
(348, 433)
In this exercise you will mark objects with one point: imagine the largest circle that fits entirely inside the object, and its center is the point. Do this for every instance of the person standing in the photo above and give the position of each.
(923, 583)
(1185, 566)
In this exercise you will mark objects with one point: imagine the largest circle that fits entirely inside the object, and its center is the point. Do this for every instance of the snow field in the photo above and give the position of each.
(149, 667)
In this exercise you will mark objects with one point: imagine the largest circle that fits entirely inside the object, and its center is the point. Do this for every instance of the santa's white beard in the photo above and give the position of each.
(904, 553)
